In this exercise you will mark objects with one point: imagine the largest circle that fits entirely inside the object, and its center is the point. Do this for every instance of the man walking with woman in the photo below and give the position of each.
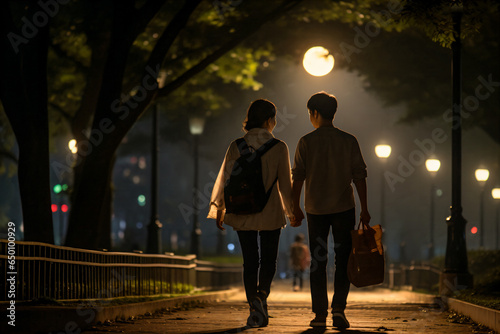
(327, 161)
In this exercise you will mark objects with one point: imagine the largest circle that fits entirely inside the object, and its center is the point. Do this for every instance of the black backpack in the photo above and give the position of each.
(244, 192)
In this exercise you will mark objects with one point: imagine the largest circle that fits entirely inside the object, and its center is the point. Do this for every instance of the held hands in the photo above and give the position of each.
(296, 221)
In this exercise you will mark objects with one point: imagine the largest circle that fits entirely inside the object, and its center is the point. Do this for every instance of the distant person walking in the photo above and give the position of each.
(300, 259)
(328, 160)
(252, 194)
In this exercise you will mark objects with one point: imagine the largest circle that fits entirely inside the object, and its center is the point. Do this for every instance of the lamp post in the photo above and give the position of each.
(196, 125)
(432, 166)
(154, 227)
(318, 61)
(456, 273)
(495, 193)
(482, 176)
(383, 152)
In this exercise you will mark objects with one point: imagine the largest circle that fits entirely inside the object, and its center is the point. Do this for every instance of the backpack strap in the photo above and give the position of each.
(267, 146)
(242, 146)
(263, 149)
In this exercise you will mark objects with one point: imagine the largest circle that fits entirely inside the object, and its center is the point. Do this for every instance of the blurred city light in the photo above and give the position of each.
(383, 151)
(72, 146)
(473, 230)
(141, 199)
(495, 193)
(57, 188)
(318, 61)
(230, 247)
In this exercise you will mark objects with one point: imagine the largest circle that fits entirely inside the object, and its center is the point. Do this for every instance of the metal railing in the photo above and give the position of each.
(416, 276)
(211, 275)
(58, 272)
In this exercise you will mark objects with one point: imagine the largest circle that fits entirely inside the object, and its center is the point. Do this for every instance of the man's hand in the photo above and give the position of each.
(365, 218)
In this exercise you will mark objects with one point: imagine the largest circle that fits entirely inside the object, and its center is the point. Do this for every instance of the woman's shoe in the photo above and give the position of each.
(260, 315)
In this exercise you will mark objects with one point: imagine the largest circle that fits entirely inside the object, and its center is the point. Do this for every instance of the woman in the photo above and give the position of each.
(259, 265)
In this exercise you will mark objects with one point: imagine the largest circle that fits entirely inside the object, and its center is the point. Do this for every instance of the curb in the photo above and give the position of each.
(480, 314)
(73, 319)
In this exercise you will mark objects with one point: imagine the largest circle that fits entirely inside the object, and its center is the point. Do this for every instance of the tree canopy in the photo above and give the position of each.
(93, 66)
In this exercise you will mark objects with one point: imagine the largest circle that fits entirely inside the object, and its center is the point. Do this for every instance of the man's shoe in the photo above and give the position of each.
(339, 320)
(318, 321)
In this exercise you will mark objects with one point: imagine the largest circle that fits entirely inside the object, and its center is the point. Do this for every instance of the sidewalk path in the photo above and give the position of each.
(368, 310)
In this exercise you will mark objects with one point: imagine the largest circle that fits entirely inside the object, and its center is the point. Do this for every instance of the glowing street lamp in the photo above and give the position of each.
(432, 166)
(383, 152)
(482, 176)
(318, 61)
(495, 193)
(196, 127)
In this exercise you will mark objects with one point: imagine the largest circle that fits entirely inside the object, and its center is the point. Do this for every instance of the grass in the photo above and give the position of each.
(484, 265)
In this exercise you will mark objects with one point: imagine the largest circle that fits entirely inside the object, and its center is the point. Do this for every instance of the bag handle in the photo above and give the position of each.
(363, 226)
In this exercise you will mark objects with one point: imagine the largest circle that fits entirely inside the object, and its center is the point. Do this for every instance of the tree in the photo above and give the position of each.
(107, 111)
(105, 57)
(23, 92)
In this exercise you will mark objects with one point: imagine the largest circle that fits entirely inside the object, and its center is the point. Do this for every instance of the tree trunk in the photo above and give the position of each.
(90, 204)
(23, 91)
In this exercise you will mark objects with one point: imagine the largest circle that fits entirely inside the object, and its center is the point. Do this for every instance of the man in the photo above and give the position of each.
(328, 160)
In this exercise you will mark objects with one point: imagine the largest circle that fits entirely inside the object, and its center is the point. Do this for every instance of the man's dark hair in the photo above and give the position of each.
(324, 103)
(259, 111)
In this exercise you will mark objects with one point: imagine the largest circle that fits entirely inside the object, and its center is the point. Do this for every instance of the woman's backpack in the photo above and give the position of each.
(244, 192)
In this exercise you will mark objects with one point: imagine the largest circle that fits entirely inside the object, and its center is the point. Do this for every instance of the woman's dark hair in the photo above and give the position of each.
(324, 103)
(259, 111)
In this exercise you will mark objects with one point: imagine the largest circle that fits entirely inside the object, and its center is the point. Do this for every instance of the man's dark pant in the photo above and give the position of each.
(318, 226)
(258, 271)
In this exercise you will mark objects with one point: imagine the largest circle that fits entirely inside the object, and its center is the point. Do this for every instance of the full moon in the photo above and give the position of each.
(318, 61)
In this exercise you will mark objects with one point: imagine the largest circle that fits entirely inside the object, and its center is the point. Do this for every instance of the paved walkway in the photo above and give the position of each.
(369, 311)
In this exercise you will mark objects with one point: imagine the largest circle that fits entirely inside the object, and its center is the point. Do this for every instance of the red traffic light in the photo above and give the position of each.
(64, 208)
(54, 207)
(473, 230)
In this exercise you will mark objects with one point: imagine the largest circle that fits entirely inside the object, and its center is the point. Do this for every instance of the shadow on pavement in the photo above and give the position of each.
(321, 330)
(317, 330)
(226, 331)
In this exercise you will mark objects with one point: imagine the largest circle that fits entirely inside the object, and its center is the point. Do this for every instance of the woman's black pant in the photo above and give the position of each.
(260, 253)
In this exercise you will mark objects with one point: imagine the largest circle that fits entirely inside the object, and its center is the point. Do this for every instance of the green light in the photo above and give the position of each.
(57, 188)
(64, 187)
(141, 200)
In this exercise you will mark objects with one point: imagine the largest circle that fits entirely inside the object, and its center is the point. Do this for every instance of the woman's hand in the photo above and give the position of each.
(219, 221)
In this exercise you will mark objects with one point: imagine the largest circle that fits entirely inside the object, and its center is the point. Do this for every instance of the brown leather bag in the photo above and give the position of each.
(366, 264)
